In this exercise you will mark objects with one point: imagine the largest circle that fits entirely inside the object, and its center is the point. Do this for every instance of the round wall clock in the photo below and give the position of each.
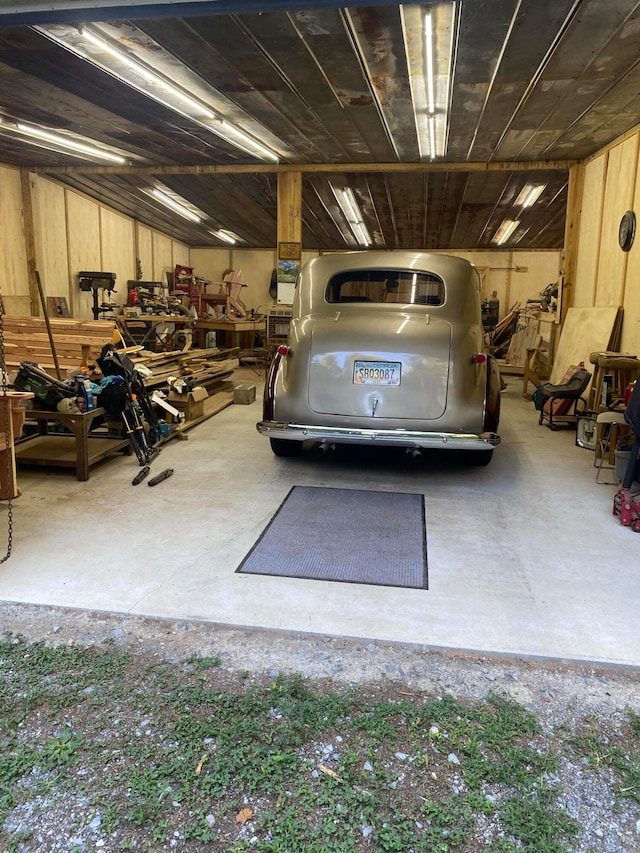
(627, 230)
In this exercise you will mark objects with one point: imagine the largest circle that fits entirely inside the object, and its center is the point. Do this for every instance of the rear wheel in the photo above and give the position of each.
(478, 458)
(284, 447)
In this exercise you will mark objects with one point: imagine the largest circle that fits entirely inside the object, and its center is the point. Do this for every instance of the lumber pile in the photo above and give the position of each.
(498, 339)
(76, 341)
(209, 368)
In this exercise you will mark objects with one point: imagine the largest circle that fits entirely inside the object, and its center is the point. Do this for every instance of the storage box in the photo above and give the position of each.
(244, 394)
(191, 403)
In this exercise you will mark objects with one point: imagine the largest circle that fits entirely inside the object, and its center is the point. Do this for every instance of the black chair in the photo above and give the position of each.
(571, 391)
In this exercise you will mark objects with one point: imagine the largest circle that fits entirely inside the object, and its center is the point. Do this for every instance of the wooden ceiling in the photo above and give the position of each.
(536, 85)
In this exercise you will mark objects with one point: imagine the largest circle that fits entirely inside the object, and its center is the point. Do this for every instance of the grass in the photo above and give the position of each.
(147, 755)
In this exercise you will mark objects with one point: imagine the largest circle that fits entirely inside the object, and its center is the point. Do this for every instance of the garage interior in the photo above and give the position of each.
(219, 139)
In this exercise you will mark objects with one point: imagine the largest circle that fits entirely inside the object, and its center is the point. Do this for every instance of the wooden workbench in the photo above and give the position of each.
(80, 449)
(234, 333)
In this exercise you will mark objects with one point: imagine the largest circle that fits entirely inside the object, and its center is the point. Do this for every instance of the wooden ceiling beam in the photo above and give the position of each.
(307, 168)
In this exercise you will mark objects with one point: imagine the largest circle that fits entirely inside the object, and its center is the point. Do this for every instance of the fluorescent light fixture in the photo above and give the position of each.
(146, 75)
(52, 141)
(225, 236)
(428, 61)
(347, 201)
(529, 194)
(431, 124)
(429, 39)
(505, 231)
(147, 67)
(178, 206)
(242, 140)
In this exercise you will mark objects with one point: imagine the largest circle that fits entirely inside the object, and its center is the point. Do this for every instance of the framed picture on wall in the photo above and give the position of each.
(288, 270)
(289, 251)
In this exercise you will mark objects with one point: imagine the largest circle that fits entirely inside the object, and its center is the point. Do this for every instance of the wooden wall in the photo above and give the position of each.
(605, 275)
(14, 285)
(71, 233)
(517, 276)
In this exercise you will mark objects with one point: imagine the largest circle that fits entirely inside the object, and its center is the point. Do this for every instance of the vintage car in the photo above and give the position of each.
(385, 348)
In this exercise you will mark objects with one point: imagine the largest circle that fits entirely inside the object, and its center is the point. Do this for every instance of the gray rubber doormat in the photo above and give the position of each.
(348, 535)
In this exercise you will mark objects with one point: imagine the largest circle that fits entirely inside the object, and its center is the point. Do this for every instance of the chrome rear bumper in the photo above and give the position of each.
(391, 437)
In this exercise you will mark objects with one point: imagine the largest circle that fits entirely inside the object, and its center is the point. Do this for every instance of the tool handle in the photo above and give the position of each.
(163, 475)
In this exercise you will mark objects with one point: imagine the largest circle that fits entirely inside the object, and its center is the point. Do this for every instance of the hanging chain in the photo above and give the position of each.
(7, 437)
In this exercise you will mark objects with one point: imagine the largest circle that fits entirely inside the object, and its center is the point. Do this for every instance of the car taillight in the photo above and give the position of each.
(283, 350)
(479, 358)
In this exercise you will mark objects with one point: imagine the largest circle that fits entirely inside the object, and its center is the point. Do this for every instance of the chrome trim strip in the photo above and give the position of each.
(400, 437)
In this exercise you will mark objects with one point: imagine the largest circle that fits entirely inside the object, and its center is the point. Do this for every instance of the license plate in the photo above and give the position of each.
(377, 373)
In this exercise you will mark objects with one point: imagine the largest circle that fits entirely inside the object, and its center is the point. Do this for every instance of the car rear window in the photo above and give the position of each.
(386, 286)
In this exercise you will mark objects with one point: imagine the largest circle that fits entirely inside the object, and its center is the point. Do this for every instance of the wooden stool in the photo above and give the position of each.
(622, 368)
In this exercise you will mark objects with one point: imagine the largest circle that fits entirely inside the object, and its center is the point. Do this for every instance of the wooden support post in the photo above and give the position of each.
(29, 240)
(571, 237)
(289, 215)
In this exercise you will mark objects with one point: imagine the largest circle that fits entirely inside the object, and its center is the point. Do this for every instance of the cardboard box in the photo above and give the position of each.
(244, 394)
(191, 403)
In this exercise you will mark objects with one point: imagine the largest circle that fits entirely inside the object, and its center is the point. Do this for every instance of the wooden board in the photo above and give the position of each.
(586, 330)
(13, 257)
(50, 225)
(521, 341)
(83, 216)
(589, 237)
(27, 340)
(618, 197)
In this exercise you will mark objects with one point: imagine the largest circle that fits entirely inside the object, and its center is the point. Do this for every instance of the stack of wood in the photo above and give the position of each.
(77, 342)
(498, 339)
(210, 368)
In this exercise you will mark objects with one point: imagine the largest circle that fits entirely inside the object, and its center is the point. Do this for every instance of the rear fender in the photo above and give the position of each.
(268, 398)
(492, 396)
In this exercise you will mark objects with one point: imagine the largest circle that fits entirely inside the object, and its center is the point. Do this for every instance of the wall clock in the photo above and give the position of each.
(627, 230)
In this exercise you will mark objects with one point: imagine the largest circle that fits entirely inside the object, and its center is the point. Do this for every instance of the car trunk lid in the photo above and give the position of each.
(380, 366)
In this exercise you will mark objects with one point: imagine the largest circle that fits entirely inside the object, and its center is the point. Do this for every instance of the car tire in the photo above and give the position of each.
(284, 447)
(478, 458)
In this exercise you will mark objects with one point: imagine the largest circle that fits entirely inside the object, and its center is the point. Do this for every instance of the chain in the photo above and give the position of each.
(7, 436)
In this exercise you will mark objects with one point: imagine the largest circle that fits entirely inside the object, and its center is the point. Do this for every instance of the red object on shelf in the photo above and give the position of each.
(628, 391)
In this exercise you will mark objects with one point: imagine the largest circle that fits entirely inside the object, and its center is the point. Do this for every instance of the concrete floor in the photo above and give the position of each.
(525, 557)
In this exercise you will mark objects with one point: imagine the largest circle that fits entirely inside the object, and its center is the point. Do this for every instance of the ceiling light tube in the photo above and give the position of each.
(347, 201)
(158, 85)
(432, 136)
(505, 231)
(147, 76)
(174, 205)
(54, 141)
(429, 70)
(244, 141)
(529, 194)
(225, 236)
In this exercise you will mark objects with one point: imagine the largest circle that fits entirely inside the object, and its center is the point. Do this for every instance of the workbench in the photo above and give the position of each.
(233, 333)
(79, 449)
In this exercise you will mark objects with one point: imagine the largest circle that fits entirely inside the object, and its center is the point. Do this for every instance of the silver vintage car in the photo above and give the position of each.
(386, 349)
